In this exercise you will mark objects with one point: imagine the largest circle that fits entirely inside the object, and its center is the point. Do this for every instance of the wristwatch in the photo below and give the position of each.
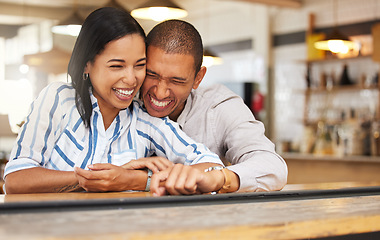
(147, 187)
(227, 180)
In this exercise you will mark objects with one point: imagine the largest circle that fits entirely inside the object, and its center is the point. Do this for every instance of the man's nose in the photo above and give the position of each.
(162, 90)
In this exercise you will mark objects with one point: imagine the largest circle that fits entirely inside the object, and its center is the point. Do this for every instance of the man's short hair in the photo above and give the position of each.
(177, 37)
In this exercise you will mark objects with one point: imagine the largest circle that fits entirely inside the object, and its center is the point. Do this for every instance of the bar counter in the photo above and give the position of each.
(299, 211)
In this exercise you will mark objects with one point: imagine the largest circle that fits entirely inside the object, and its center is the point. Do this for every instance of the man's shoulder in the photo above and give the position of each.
(214, 90)
(213, 94)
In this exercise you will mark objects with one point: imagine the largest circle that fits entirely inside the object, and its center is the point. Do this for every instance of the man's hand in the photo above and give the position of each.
(155, 164)
(186, 180)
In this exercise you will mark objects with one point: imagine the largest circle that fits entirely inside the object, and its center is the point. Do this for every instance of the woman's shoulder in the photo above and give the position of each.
(59, 88)
(139, 110)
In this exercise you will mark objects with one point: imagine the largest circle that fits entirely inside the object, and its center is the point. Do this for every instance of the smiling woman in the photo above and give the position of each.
(122, 62)
(94, 124)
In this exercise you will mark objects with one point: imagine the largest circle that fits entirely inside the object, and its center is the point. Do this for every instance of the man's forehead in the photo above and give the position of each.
(162, 51)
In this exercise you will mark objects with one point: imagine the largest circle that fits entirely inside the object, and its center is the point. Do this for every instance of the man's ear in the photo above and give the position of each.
(199, 77)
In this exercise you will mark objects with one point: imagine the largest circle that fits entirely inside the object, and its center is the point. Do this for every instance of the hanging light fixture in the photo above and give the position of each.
(210, 59)
(159, 10)
(335, 42)
(71, 25)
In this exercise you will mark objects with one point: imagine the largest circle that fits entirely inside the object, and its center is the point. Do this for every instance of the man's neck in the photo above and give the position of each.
(177, 112)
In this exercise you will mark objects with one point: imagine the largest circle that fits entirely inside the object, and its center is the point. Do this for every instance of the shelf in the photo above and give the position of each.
(334, 59)
(327, 97)
(326, 122)
(341, 89)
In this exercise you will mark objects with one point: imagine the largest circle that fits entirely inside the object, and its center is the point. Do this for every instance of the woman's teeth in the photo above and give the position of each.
(124, 92)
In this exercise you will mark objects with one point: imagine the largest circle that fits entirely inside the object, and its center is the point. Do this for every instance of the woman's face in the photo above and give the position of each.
(117, 73)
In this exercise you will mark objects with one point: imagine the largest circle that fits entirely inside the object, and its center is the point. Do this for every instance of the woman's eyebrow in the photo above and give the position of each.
(121, 60)
(115, 60)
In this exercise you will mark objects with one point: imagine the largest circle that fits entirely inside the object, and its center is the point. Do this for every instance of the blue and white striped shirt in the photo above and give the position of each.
(54, 136)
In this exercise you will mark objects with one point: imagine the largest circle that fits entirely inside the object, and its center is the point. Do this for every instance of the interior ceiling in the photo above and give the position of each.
(20, 12)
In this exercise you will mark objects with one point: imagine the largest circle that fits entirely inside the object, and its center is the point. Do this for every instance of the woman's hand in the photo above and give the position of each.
(155, 164)
(186, 180)
(104, 177)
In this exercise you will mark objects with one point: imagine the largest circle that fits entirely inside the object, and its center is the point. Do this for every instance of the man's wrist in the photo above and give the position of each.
(226, 182)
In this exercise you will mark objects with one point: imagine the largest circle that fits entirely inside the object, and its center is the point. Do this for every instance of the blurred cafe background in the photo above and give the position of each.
(319, 101)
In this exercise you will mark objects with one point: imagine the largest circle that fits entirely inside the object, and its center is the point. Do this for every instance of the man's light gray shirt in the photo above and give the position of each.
(218, 118)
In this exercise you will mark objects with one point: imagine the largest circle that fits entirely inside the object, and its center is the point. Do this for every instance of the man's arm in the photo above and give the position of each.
(219, 118)
(250, 152)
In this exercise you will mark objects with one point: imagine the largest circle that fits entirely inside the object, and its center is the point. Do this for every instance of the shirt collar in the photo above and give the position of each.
(94, 102)
(186, 110)
(124, 116)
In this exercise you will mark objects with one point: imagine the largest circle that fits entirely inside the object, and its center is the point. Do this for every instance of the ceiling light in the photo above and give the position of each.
(159, 10)
(335, 42)
(70, 26)
(210, 59)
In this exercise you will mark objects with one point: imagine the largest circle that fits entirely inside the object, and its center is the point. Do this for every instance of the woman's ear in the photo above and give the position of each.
(86, 68)
(199, 77)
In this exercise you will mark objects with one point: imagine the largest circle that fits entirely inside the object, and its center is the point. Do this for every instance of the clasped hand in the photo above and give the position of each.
(168, 178)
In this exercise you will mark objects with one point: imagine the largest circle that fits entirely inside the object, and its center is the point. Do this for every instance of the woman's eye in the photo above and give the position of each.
(116, 66)
(141, 65)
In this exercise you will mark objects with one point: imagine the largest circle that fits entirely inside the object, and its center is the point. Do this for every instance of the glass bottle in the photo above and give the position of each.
(345, 79)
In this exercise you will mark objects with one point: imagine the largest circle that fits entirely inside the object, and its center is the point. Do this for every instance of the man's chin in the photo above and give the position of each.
(157, 113)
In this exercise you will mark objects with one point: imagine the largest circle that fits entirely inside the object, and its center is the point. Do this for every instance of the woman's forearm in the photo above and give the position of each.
(41, 180)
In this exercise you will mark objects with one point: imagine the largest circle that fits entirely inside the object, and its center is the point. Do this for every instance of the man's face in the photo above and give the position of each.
(168, 82)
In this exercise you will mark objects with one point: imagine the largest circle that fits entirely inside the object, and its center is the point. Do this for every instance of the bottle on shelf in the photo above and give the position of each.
(308, 77)
(324, 142)
(375, 138)
(345, 78)
(366, 125)
(353, 135)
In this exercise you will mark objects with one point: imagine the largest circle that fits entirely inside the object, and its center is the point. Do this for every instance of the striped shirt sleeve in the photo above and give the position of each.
(36, 138)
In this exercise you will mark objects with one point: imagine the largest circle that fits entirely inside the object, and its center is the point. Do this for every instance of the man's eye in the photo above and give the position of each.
(177, 82)
(151, 75)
